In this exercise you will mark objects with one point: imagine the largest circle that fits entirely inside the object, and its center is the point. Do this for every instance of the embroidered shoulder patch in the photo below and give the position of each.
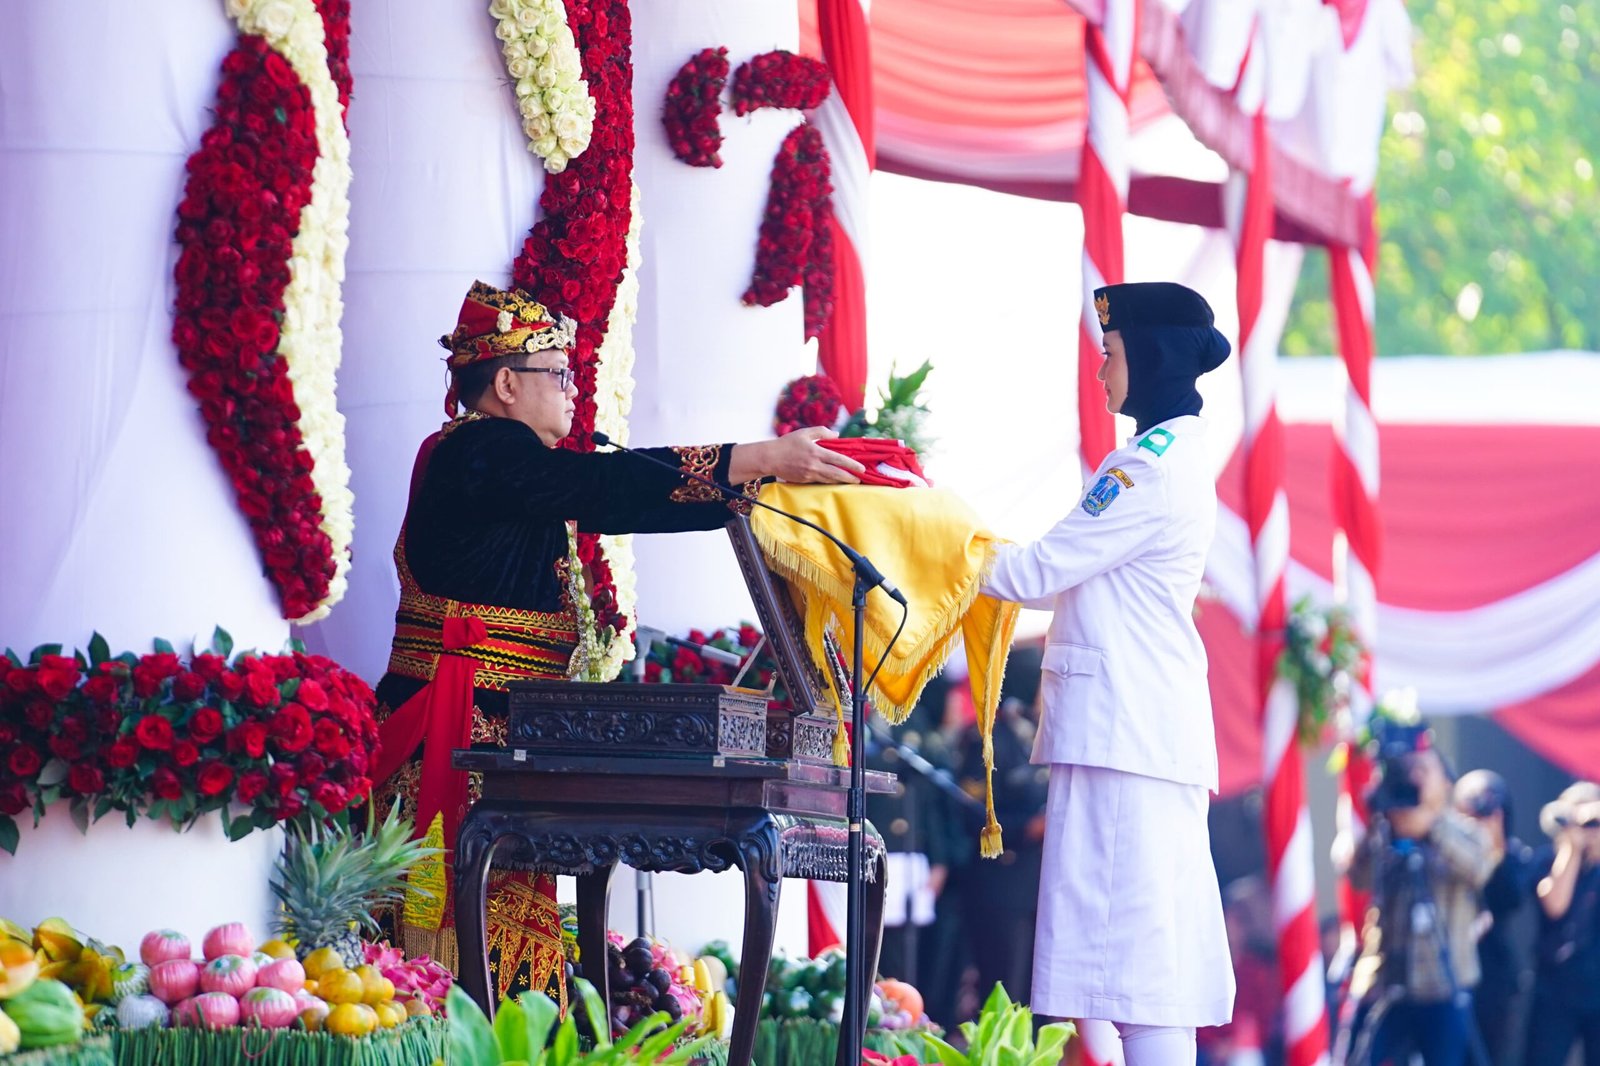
(1127, 482)
(1104, 492)
(1157, 440)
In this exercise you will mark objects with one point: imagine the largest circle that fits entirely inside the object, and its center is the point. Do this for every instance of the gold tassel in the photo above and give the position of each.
(990, 844)
(841, 746)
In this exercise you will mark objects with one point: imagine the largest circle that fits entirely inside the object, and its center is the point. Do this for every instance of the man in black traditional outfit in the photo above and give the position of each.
(490, 587)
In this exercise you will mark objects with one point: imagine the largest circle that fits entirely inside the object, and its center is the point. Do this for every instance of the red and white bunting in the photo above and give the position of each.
(1355, 510)
(846, 121)
(1288, 826)
(1103, 196)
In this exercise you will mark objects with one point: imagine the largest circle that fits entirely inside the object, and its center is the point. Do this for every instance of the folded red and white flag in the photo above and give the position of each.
(889, 462)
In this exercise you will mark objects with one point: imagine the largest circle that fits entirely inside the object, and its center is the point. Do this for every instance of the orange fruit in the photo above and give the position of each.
(390, 1014)
(320, 960)
(351, 1019)
(375, 988)
(340, 986)
(417, 1007)
(277, 948)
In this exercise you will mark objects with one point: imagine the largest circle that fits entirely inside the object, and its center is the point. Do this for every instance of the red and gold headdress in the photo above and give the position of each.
(493, 323)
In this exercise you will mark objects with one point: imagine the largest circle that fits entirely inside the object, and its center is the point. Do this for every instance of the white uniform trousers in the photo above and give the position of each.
(1130, 920)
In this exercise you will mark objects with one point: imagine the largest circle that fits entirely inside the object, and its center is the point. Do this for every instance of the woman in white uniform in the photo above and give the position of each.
(1130, 921)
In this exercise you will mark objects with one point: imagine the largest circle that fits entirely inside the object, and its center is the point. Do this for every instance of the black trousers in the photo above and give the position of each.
(1554, 1022)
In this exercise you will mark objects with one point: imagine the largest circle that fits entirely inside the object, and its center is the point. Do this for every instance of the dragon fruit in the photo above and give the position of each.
(232, 974)
(208, 1010)
(270, 1007)
(420, 978)
(174, 980)
(230, 939)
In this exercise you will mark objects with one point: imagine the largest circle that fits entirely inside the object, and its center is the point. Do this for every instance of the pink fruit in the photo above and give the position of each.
(270, 1007)
(232, 974)
(162, 945)
(230, 939)
(209, 1010)
(286, 974)
(305, 1003)
(174, 980)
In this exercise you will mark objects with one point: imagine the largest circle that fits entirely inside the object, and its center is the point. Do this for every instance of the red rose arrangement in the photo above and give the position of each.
(674, 664)
(574, 259)
(238, 218)
(813, 400)
(692, 107)
(787, 251)
(780, 79)
(336, 26)
(285, 737)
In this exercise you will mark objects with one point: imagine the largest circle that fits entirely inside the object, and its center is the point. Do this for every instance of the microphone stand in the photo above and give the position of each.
(867, 577)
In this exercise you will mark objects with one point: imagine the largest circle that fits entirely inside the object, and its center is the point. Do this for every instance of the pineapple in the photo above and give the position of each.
(328, 881)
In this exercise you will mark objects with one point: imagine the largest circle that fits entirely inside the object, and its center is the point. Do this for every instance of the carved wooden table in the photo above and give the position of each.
(581, 816)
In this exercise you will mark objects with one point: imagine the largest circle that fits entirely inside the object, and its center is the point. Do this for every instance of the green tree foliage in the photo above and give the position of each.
(1488, 202)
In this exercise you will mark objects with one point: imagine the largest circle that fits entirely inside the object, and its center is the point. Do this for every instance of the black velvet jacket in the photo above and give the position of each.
(488, 524)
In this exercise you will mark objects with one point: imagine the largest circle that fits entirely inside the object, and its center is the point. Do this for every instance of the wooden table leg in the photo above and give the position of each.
(873, 892)
(474, 851)
(760, 922)
(593, 888)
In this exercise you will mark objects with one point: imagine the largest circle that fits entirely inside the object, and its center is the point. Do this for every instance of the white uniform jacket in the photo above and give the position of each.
(1124, 680)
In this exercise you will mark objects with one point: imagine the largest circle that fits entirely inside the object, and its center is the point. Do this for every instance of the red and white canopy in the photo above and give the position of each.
(994, 93)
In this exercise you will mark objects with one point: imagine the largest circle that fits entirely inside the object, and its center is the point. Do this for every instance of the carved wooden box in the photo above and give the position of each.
(619, 718)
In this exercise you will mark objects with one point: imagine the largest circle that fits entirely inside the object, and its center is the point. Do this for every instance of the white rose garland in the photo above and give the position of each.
(310, 340)
(613, 386)
(542, 57)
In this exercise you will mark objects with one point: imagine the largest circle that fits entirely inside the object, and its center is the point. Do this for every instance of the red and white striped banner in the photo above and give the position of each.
(1288, 826)
(1355, 510)
(846, 121)
(1103, 196)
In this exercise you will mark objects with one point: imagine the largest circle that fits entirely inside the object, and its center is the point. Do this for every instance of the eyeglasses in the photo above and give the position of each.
(564, 375)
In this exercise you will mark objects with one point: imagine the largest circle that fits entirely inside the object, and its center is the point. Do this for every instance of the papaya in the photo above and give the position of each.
(19, 967)
(46, 1013)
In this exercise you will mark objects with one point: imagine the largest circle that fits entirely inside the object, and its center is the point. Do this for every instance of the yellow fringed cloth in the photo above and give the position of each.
(930, 545)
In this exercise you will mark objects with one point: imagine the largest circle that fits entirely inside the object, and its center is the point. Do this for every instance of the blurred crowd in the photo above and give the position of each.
(1478, 949)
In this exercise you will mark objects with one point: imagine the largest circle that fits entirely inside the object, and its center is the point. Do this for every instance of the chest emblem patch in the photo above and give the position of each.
(1101, 496)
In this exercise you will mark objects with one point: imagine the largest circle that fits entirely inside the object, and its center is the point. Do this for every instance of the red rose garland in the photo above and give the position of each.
(818, 279)
(236, 223)
(692, 107)
(281, 735)
(574, 258)
(780, 79)
(796, 202)
(336, 25)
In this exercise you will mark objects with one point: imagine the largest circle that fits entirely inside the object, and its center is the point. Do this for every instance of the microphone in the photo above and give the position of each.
(869, 573)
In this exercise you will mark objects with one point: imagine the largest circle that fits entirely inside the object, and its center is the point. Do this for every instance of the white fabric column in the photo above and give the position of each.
(709, 368)
(445, 192)
(115, 514)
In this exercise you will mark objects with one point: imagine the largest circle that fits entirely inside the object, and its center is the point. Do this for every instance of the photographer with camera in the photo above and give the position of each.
(1424, 863)
(1497, 1004)
(1566, 986)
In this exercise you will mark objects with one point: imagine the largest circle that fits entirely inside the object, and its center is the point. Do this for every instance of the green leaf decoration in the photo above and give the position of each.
(564, 1049)
(471, 1039)
(539, 1017)
(10, 835)
(163, 646)
(948, 1056)
(41, 651)
(222, 642)
(99, 650)
(511, 1032)
(599, 1023)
